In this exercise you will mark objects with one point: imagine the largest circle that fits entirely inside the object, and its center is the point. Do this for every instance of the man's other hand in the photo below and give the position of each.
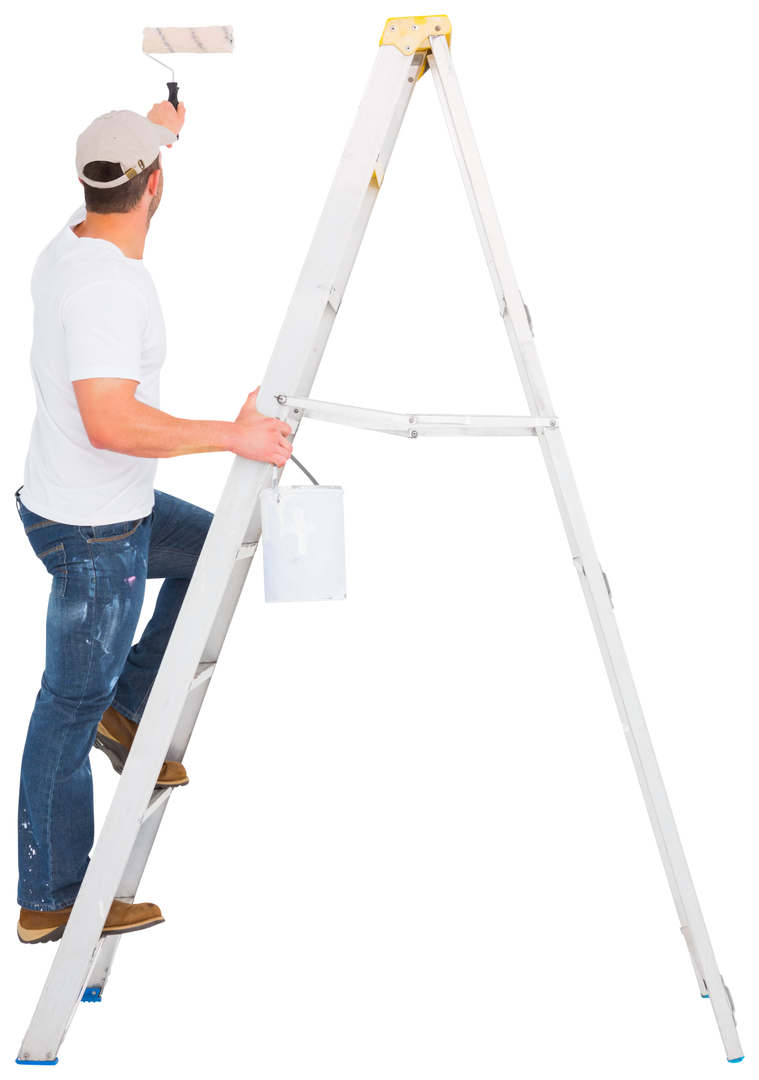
(262, 438)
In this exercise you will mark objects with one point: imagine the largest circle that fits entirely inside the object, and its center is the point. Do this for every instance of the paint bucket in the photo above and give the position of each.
(303, 543)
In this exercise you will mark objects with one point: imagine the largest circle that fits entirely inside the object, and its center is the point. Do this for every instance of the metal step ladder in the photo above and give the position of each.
(408, 47)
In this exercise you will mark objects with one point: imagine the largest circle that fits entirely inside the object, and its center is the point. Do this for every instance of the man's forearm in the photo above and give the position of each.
(142, 431)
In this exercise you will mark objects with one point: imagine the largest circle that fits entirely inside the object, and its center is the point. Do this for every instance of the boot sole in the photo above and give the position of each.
(115, 752)
(117, 755)
(41, 937)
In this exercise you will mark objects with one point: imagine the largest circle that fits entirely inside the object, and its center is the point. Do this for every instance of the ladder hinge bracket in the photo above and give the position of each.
(335, 299)
(412, 34)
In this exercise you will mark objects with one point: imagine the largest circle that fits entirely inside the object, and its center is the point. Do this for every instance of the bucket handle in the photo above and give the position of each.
(303, 469)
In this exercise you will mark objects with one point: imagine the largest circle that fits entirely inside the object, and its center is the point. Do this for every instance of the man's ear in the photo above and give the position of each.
(153, 182)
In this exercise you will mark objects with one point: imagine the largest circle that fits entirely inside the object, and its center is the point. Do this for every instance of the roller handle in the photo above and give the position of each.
(173, 92)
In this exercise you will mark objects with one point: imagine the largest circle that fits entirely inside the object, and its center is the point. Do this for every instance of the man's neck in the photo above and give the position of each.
(125, 237)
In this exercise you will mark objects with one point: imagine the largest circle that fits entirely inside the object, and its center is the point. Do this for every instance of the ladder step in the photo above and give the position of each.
(247, 550)
(159, 796)
(203, 672)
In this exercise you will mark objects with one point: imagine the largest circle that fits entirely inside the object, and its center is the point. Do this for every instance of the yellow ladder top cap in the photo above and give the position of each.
(410, 34)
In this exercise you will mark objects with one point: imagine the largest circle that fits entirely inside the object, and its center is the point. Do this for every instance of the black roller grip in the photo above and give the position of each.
(173, 92)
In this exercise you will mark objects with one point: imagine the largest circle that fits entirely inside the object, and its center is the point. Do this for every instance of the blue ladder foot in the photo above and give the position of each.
(21, 1063)
(734, 1061)
(93, 993)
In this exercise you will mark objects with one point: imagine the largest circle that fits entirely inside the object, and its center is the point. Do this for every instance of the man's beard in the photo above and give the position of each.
(156, 206)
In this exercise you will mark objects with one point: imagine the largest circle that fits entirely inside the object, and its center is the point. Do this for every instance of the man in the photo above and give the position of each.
(90, 512)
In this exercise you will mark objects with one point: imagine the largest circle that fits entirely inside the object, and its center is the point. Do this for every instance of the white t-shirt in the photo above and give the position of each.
(96, 315)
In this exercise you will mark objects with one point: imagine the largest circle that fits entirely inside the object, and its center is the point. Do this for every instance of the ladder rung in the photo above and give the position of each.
(157, 800)
(247, 551)
(204, 671)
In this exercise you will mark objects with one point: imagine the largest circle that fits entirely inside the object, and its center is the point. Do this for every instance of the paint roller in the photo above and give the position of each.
(185, 39)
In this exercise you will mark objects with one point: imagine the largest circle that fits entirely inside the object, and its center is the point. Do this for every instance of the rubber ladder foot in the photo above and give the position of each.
(21, 1063)
(93, 993)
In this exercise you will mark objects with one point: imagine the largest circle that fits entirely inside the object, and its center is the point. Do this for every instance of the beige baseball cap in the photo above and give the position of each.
(125, 138)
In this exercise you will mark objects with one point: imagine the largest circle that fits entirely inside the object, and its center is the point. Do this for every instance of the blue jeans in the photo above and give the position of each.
(98, 584)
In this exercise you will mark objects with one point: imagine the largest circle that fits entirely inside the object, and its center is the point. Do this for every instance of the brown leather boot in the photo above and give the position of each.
(115, 736)
(36, 927)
